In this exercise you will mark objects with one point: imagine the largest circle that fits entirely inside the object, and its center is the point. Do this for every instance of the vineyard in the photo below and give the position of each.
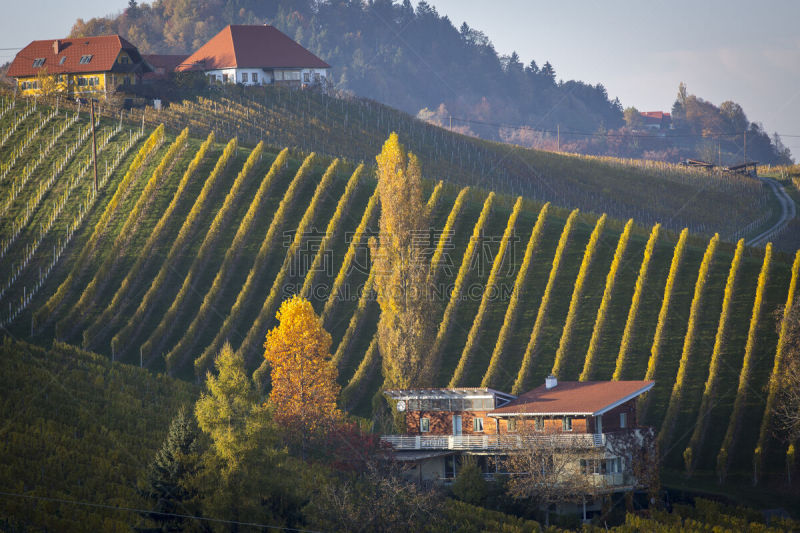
(354, 128)
(191, 242)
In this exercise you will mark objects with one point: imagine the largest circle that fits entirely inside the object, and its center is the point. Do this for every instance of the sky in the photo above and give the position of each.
(739, 50)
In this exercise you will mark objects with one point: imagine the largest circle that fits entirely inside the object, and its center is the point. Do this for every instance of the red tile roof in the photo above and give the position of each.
(104, 51)
(574, 398)
(251, 47)
(655, 114)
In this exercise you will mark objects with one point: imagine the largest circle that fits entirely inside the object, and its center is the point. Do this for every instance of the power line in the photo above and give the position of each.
(151, 512)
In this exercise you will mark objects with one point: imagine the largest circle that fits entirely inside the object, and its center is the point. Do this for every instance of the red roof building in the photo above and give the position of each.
(656, 120)
(162, 65)
(256, 55)
(81, 65)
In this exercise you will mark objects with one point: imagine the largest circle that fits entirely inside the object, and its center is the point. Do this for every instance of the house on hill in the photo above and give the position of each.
(256, 55)
(656, 120)
(593, 424)
(83, 66)
(162, 65)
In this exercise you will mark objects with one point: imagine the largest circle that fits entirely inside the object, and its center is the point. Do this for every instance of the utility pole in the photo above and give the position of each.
(94, 146)
(745, 146)
(451, 122)
(558, 137)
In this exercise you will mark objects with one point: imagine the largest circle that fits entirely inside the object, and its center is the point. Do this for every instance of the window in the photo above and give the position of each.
(38, 62)
(538, 423)
(512, 425)
(85, 59)
(316, 77)
(424, 425)
(255, 77)
(82, 82)
(124, 60)
(244, 77)
(623, 420)
(306, 77)
(225, 78)
(566, 424)
(64, 58)
(477, 425)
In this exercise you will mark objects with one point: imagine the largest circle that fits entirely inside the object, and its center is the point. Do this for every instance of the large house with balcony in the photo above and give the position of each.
(85, 66)
(256, 55)
(595, 418)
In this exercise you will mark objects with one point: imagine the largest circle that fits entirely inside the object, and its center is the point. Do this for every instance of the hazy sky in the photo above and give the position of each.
(737, 50)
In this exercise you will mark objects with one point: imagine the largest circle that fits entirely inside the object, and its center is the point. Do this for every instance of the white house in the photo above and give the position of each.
(256, 55)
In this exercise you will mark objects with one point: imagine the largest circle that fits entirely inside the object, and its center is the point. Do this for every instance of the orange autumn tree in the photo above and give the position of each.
(304, 387)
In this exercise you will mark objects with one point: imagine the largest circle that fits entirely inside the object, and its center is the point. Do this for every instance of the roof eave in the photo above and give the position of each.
(627, 398)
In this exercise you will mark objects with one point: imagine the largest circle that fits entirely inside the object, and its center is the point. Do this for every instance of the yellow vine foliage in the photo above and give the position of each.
(250, 342)
(676, 396)
(477, 324)
(123, 337)
(146, 252)
(447, 231)
(577, 292)
(128, 228)
(510, 319)
(304, 389)
(332, 229)
(455, 296)
(698, 434)
(747, 367)
(777, 368)
(523, 376)
(358, 240)
(269, 242)
(630, 323)
(602, 311)
(152, 142)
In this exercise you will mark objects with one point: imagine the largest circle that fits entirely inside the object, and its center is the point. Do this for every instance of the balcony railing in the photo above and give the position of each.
(492, 442)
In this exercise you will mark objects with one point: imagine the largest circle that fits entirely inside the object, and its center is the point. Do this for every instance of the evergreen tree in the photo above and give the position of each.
(170, 479)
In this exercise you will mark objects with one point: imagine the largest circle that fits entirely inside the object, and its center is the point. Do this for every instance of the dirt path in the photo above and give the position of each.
(788, 212)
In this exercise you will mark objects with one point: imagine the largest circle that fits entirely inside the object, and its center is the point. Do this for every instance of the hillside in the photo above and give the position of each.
(194, 241)
(414, 59)
(77, 433)
(353, 128)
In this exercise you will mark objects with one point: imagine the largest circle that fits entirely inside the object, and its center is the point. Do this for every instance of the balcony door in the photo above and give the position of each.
(456, 424)
(598, 424)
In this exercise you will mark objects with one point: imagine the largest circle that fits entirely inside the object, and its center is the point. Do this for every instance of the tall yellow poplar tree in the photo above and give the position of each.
(405, 329)
(304, 388)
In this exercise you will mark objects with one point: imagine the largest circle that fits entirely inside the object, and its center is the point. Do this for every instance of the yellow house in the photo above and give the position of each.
(86, 66)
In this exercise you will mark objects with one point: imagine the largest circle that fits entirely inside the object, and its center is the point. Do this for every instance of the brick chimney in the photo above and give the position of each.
(56, 46)
(550, 382)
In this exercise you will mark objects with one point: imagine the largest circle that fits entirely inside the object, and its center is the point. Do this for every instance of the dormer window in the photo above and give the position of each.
(38, 62)
(124, 60)
(86, 59)
(62, 60)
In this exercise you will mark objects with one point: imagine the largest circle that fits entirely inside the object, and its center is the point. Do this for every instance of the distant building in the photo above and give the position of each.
(82, 66)
(162, 65)
(256, 55)
(656, 120)
(595, 418)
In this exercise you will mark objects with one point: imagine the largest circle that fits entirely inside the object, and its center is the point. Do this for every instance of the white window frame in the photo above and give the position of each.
(245, 77)
(477, 425)
(566, 423)
(623, 420)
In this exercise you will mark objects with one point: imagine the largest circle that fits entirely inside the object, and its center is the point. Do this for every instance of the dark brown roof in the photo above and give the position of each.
(104, 51)
(165, 61)
(251, 47)
(574, 398)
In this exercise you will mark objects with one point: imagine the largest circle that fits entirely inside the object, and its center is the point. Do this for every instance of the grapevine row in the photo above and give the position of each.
(523, 375)
(268, 244)
(710, 389)
(676, 396)
(633, 310)
(602, 312)
(509, 321)
(577, 293)
(476, 329)
(447, 232)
